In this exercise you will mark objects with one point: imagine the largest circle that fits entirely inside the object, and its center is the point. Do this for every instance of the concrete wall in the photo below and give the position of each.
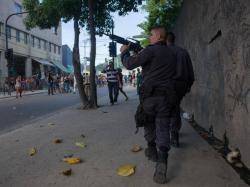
(221, 93)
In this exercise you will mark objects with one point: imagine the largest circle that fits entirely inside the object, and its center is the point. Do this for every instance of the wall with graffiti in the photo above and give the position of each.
(217, 35)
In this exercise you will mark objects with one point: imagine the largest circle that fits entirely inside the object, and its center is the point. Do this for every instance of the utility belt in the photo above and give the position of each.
(152, 91)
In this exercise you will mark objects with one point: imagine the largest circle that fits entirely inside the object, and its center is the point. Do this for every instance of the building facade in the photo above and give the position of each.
(67, 57)
(35, 51)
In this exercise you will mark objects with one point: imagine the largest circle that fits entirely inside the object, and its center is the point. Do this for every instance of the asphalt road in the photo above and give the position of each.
(15, 113)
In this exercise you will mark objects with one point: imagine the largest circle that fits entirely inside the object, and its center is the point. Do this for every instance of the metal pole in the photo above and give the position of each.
(6, 24)
(113, 59)
(6, 40)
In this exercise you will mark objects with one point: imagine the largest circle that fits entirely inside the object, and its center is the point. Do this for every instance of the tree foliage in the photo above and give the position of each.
(160, 12)
(94, 15)
(49, 13)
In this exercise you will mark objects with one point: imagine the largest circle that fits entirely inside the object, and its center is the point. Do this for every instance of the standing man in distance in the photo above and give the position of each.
(50, 86)
(120, 83)
(158, 96)
(138, 80)
(183, 80)
(112, 82)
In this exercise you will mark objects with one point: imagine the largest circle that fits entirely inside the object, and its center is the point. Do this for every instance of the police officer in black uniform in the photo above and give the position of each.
(183, 80)
(158, 64)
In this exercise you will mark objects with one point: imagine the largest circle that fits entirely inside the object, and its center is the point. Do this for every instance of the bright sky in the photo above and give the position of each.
(125, 26)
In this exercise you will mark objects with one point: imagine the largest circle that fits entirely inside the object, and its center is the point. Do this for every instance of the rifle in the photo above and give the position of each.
(134, 46)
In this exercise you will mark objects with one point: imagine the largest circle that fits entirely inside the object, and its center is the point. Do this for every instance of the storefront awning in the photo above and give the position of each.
(60, 66)
(44, 62)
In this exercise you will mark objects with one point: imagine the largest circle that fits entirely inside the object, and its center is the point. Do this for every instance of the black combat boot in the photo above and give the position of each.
(161, 168)
(151, 153)
(175, 139)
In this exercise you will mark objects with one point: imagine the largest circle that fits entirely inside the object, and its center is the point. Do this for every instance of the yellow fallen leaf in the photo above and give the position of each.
(73, 160)
(51, 124)
(80, 144)
(126, 170)
(32, 151)
(136, 148)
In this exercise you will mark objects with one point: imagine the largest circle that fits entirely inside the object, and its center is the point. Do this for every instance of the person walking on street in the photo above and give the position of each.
(112, 82)
(86, 82)
(18, 86)
(50, 84)
(157, 95)
(120, 83)
(138, 80)
(74, 84)
(183, 81)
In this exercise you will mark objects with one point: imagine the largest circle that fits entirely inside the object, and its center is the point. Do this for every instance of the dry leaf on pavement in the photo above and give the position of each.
(126, 170)
(32, 151)
(136, 148)
(83, 136)
(80, 144)
(56, 141)
(67, 172)
(51, 124)
(73, 160)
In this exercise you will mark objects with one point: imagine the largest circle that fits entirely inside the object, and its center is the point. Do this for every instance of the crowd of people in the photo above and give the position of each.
(54, 83)
(60, 84)
(22, 84)
(64, 83)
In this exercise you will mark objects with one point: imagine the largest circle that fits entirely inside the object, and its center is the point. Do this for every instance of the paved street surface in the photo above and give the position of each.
(18, 112)
(109, 136)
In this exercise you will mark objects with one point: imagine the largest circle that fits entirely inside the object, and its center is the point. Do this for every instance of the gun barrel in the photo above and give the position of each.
(133, 46)
(119, 39)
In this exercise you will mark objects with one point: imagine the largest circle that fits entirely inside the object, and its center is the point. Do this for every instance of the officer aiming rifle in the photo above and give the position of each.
(133, 46)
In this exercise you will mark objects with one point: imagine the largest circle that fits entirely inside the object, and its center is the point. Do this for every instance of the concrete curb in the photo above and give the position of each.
(25, 94)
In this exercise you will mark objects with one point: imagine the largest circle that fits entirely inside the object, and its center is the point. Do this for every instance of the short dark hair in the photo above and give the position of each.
(171, 37)
(162, 29)
(157, 27)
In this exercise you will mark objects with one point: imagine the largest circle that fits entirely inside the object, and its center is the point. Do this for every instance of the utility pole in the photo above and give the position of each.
(9, 52)
(113, 58)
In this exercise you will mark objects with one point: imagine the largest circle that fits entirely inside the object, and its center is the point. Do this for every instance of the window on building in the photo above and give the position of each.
(25, 38)
(49, 47)
(39, 43)
(18, 8)
(1, 28)
(59, 50)
(54, 48)
(17, 35)
(44, 45)
(33, 41)
(8, 32)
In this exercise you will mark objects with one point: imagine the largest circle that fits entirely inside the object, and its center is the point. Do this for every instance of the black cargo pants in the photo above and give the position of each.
(181, 90)
(113, 91)
(161, 108)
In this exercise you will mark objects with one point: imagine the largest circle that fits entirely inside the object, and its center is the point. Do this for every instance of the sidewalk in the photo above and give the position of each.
(13, 94)
(109, 137)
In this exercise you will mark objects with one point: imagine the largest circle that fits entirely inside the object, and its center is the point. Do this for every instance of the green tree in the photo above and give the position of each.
(160, 12)
(94, 15)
